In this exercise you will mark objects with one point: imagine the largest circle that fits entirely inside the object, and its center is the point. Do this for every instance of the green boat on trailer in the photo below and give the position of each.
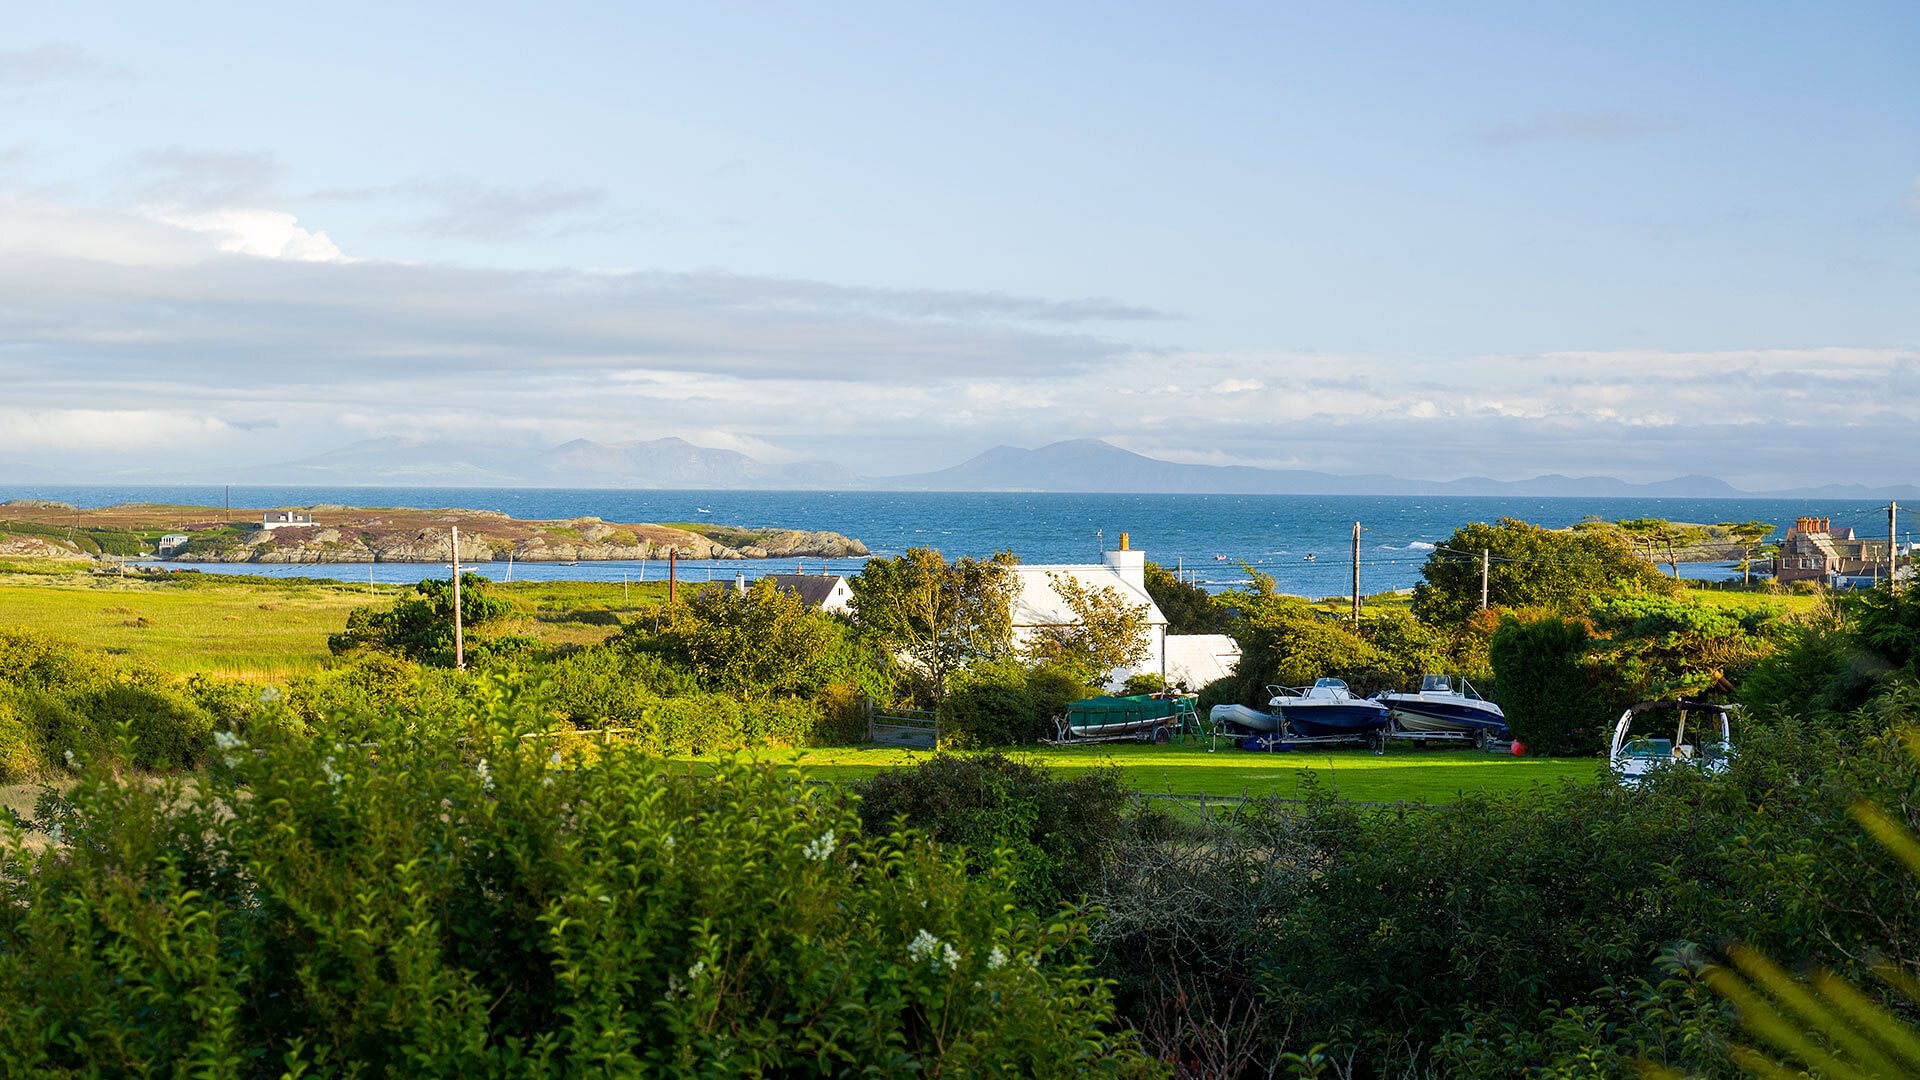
(1144, 717)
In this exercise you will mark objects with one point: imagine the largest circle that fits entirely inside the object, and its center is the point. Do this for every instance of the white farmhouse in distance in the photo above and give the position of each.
(285, 519)
(828, 592)
(1037, 604)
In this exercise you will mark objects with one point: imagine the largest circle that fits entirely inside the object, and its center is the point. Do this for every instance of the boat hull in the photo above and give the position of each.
(1414, 714)
(1345, 718)
(1242, 716)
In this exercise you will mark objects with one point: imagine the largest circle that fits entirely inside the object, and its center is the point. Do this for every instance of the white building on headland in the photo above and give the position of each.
(285, 519)
(1038, 605)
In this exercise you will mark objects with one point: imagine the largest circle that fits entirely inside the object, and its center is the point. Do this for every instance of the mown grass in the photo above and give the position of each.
(1400, 775)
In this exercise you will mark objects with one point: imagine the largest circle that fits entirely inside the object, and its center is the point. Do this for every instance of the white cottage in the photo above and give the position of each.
(1037, 604)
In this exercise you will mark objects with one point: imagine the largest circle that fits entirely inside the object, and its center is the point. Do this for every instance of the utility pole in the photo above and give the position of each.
(1356, 573)
(229, 504)
(1893, 546)
(673, 575)
(623, 588)
(1485, 559)
(459, 631)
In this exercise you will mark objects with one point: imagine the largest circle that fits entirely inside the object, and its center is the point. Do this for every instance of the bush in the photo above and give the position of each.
(448, 907)
(1054, 834)
(989, 705)
(1145, 682)
(1553, 700)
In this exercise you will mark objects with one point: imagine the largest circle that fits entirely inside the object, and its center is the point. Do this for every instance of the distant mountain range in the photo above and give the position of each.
(1084, 465)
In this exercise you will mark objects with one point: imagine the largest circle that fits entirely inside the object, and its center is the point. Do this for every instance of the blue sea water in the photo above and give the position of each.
(1207, 535)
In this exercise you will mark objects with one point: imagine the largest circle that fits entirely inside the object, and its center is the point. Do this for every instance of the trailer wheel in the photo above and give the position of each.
(1377, 740)
(1480, 739)
(1161, 735)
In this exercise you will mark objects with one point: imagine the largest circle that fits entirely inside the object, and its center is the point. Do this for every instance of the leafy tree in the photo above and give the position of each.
(990, 704)
(1530, 567)
(420, 627)
(1107, 632)
(754, 644)
(1551, 694)
(941, 617)
(1189, 609)
(1285, 641)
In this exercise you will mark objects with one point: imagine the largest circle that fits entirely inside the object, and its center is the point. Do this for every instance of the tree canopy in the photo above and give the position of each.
(1530, 567)
(1189, 609)
(420, 627)
(940, 616)
(1107, 632)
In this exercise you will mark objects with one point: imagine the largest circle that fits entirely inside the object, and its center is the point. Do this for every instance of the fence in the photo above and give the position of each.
(912, 728)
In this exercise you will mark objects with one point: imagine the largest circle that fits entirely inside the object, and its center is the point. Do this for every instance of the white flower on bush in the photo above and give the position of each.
(996, 959)
(675, 988)
(925, 946)
(666, 841)
(486, 774)
(698, 969)
(72, 762)
(57, 833)
(269, 695)
(820, 849)
(332, 774)
(230, 746)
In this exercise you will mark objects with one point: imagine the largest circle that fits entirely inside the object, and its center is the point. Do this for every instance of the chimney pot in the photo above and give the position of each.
(1126, 542)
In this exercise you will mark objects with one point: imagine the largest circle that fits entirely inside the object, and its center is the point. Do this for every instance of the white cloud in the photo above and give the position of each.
(157, 431)
(268, 234)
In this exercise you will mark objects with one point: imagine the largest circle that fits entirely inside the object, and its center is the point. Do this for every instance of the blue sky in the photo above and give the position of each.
(1429, 239)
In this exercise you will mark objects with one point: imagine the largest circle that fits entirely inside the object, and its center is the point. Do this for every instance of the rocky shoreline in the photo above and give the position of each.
(342, 534)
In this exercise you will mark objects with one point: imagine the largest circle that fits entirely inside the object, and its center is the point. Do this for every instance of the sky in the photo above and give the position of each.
(1639, 240)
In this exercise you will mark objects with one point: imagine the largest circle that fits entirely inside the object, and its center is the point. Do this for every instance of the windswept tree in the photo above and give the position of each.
(939, 616)
(1662, 537)
(1106, 632)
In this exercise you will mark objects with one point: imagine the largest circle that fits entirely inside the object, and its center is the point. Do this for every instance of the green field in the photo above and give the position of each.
(266, 628)
(1400, 775)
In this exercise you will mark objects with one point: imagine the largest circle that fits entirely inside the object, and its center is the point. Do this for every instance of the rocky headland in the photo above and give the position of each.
(344, 534)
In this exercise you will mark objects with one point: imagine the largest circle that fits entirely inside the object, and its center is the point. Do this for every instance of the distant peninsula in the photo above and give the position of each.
(348, 534)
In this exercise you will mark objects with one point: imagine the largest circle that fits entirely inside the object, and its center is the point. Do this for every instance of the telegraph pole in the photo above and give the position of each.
(1893, 546)
(673, 575)
(459, 632)
(1356, 573)
(1485, 559)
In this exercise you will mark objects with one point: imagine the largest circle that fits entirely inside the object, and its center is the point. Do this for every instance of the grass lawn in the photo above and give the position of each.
(1400, 775)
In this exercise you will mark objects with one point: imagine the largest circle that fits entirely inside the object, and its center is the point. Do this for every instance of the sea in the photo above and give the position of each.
(1305, 542)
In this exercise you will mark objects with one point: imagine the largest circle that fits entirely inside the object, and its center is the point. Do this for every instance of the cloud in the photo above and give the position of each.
(1589, 127)
(84, 430)
(51, 63)
(467, 210)
(267, 234)
(190, 177)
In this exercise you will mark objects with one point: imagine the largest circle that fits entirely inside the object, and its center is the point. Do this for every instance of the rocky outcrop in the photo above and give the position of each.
(583, 541)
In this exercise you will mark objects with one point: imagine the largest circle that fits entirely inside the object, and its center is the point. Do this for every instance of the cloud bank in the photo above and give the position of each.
(211, 332)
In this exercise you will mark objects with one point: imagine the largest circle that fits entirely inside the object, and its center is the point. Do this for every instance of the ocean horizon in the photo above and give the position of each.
(1208, 537)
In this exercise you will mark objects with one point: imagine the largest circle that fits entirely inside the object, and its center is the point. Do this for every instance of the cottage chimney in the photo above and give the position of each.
(1131, 565)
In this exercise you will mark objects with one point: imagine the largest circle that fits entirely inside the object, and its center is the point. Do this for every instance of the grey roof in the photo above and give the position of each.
(812, 589)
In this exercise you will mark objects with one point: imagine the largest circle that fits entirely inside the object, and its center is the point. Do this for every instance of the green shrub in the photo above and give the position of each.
(1145, 682)
(20, 742)
(1054, 834)
(1553, 699)
(168, 730)
(989, 705)
(443, 907)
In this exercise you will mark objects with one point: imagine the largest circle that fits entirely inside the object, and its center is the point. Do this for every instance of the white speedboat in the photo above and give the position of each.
(1445, 705)
(1655, 735)
(1327, 708)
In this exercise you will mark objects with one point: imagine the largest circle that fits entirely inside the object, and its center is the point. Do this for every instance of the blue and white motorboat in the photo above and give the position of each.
(1445, 705)
(1327, 709)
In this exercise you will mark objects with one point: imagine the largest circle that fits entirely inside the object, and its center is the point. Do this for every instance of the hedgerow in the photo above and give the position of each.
(481, 905)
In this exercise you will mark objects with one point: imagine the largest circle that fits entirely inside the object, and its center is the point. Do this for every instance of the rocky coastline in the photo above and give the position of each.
(342, 534)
